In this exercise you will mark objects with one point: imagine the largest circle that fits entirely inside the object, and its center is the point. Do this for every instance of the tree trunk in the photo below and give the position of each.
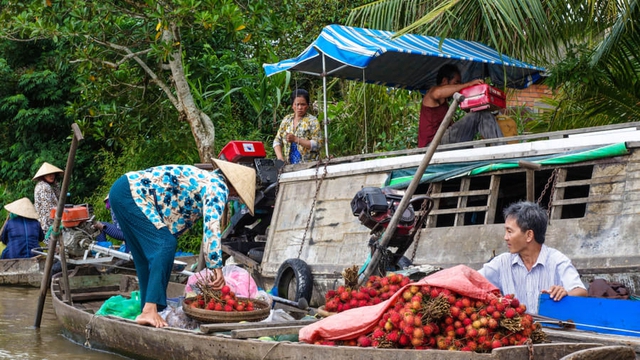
(201, 125)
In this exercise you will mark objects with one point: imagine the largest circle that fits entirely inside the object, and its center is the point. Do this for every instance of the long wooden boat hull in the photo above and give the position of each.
(141, 342)
(22, 272)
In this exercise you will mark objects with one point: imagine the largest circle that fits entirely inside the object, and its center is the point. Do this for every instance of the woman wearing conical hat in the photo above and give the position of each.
(22, 231)
(46, 194)
(156, 205)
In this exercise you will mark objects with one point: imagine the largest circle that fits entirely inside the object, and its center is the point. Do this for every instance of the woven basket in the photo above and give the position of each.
(261, 311)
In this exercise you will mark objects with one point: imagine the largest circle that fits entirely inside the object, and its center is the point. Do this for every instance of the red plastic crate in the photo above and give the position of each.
(238, 151)
(482, 97)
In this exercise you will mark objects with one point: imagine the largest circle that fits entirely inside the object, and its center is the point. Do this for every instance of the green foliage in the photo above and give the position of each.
(35, 89)
(589, 48)
(372, 118)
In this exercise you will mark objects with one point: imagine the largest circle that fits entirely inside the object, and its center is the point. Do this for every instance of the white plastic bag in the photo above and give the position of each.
(175, 317)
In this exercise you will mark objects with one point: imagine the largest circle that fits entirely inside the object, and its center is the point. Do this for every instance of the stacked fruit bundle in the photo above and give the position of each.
(217, 300)
(375, 291)
(425, 317)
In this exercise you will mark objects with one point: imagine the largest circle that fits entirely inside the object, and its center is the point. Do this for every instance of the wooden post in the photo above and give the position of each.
(411, 189)
(531, 168)
(46, 277)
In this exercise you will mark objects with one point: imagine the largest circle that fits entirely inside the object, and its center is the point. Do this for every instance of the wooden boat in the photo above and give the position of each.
(22, 272)
(239, 341)
(593, 203)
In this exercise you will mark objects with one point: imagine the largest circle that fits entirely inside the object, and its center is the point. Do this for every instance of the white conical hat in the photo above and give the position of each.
(47, 169)
(242, 178)
(23, 207)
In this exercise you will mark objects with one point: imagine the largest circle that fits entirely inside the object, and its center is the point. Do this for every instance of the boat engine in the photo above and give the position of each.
(375, 207)
(76, 230)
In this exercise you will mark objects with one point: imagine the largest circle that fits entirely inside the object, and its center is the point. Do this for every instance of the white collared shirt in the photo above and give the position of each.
(508, 272)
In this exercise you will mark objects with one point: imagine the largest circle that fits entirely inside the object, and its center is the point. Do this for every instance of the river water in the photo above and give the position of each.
(20, 340)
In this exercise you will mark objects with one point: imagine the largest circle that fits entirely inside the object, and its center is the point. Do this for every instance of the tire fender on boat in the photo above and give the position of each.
(298, 272)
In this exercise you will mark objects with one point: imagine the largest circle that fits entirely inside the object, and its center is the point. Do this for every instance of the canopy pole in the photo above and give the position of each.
(366, 140)
(404, 203)
(324, 105)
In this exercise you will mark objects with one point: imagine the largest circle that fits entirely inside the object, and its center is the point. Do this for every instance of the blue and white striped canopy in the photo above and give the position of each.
(408, 61)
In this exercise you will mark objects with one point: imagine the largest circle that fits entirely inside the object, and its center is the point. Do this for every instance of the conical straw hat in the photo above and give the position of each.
(47, 169)
(242, 178)
(23, 207)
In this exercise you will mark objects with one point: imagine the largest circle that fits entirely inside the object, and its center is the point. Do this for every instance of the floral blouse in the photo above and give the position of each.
(308, 128)
(45, 198)
(176, 196)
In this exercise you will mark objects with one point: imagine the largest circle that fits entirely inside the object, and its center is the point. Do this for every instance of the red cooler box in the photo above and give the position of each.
(482, 97)
(239, 151)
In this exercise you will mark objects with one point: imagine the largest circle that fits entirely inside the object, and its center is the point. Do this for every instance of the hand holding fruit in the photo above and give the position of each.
(217, 279)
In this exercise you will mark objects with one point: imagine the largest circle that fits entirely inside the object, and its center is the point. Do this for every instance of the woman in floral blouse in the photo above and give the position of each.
(46, 195)
(156, 205)
(298, 138)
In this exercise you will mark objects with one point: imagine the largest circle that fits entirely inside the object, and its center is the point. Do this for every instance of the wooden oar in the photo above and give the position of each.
(46, 277)
(393, 223)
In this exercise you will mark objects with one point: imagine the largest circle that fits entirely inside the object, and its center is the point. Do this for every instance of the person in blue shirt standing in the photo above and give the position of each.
(156, 205)
(22, 231)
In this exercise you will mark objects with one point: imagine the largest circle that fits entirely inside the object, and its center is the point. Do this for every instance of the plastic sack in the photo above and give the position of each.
(359, 321)
(240, 281)
(121, 306)
(264, 296)
(278, 315)
(175, 317)
(193, 279)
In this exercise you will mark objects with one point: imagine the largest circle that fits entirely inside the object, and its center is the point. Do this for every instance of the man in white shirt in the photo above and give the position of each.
(530, 267)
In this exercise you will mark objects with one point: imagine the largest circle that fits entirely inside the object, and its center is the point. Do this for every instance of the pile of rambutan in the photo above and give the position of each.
(426, 317)
(376, 290)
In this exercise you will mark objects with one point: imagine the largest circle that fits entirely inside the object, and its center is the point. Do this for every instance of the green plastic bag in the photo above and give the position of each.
(122, 306)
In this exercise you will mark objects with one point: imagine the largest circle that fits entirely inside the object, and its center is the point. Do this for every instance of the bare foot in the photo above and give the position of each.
(150, 316)
(151, 319)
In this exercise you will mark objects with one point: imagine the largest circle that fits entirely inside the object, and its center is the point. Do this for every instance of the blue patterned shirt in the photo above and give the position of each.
(508, 272)
(176, 196)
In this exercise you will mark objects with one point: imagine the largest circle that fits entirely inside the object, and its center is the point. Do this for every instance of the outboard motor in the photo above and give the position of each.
(76, 229)
(375, 207)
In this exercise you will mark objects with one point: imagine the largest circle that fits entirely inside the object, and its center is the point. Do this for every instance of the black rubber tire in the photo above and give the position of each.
(294, 273)
(404, 262)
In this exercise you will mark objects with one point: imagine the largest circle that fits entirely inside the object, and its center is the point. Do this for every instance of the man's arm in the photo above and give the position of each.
(438, 94)
(570, 282)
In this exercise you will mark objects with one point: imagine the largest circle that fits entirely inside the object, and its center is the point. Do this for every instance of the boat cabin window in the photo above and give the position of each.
(480, 199)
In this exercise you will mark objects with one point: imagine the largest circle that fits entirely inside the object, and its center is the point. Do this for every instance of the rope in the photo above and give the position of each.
(87, 332)
(563, 323)
(273, 347)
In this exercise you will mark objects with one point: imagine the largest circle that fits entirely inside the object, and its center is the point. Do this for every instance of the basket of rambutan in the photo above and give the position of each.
(222, 306)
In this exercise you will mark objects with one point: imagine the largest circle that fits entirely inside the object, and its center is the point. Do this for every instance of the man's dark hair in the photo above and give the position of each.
(529, 216)
(448, 71)
(298, 93)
